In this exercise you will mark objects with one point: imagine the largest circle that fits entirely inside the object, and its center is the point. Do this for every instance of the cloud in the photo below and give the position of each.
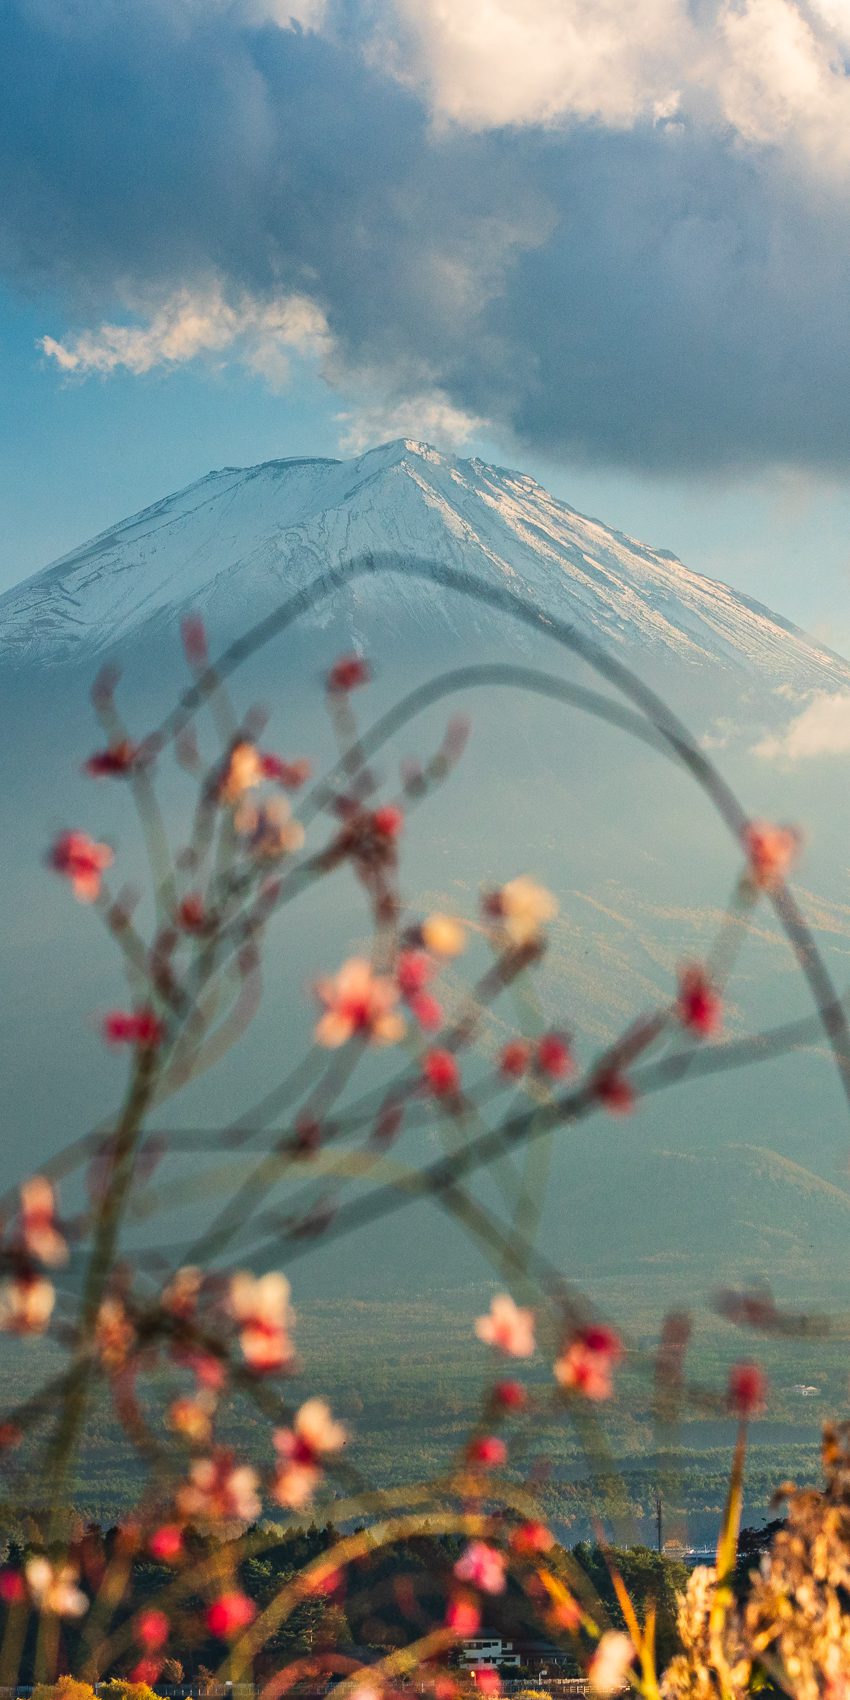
(821, 729)
(427, 414)
(192, 323)
(494, 62)
(615, 233)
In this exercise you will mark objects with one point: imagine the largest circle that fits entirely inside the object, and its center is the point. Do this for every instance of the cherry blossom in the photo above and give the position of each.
(440, 1073)
(463, 1615)
(242, 770)
(614, 1091)
(347, 673)
(260, 1306)
(359, 1003)
(588, 1362)
(414, 969)
(290, 774)
(443, 935)
(230, 1613)
(699, 1007)
(514, 1058)
(314, 1433)
(522, 907)
(26, 1303)
(53, 1587)
(609, 1667)
(132, 1027)
(39, 1232)
(166, 1543)
(771, 853)
(152, 1629)
(507, 1326)
(192, 1417)
(116, 761)
(489, 1450)
(483, 1567)
(553, 1056)
(511, 1395)
(146, 1670)
(747, 1389)
(532, 1538)
(192, 916)
(79, 859)
(219, 1490)
(114, 1334)
(268, 829)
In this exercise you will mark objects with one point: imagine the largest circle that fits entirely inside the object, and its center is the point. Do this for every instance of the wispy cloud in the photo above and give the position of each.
(189, 324)
(822, 728)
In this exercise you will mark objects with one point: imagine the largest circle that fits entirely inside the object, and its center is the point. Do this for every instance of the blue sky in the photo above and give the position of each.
(608, 244)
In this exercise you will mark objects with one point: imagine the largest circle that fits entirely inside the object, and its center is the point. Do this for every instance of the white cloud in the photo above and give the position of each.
(781, 77)
(201, 322)
(821, 729)
(429, 415)
(492, 62)
(774, 70)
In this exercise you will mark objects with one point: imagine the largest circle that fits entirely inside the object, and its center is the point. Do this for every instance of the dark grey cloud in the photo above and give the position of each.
(656, 297)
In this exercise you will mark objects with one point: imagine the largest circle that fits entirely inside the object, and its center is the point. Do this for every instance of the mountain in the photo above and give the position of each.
(237, 542)
(640, 861)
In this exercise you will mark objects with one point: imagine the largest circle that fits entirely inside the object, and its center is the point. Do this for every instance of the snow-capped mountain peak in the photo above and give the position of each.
(236, 542)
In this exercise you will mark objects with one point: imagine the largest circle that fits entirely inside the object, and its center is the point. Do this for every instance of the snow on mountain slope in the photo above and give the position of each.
(238, 541)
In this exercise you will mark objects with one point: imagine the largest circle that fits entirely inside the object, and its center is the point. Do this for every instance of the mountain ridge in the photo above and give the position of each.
(235, 541)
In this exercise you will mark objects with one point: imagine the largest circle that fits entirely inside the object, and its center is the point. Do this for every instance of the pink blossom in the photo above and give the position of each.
(219, 1490)
(230, 1613)
(443, 935)
(146, 1670)
(268, 829)
(26, 1304)
(553, 1056)
(489, 1451)
(587, 1364)
(241, 772)
(260, 1306)
(347, 673)
(53, 1587)
(614, 1091)
(192, 914)
(522, 906)
(290, 774)
(440, 1073)
(532, 1538)
(698, 1007)
(515, 1058)
(360, 1003)
(771, 852)
(152, 1629)
(132, 1027)
(40, 1234)
(314, 1432)
(747, 1389)
(507, 1326)
(79, 859)
(511, 1395)
(114, 762)
(463, 1615)
(166, 1543)
(483, 1567)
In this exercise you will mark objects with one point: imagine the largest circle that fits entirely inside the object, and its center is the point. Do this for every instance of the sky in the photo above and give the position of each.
(607, 244)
